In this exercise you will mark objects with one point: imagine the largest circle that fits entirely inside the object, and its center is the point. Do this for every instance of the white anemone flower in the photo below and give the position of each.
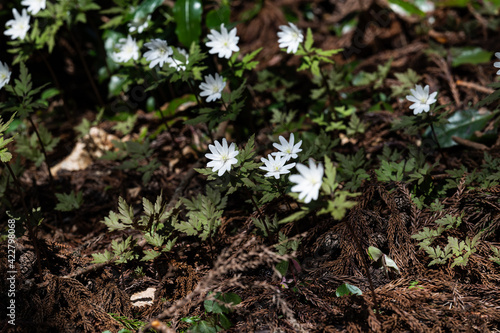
(497, 64)
(421, 99)
(290, 37)
(222, 157)
(128, 49)
(276, 166)
(309, 181)
(139, 24)
(178, 64)
(19, 26)
(223, 43)
(4, 74)
(34, 6)
(159, 52)
(287, 149)
(212, 87)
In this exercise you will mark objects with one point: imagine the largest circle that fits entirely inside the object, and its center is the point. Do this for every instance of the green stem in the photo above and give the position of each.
(365, 263)
(436, 139)
(51, 179)
(329, 92)
(56, 82)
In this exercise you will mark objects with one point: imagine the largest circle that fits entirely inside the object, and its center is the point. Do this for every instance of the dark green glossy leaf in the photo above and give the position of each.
(187, 14)
(144, 9)
(463, 124)
(216, 17)
(408, 7)
(469, 55)
(346, 289)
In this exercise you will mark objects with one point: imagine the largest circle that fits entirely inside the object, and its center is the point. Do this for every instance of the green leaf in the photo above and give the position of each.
(329, 184)
(49, 93)
(408, 7)
(469, 55)
(176, 104)
(144, 9)
(463, 124)
(216, 17)
(309, 40)
(187, 14)
(346, 289)
(282, 267)
(69, 202)
(374, 253)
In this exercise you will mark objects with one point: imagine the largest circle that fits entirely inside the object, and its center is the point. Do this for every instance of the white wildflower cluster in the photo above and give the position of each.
(275, 166)
(308, 181)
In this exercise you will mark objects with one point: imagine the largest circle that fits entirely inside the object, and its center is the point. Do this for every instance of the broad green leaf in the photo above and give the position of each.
(144, 9)
(282, 267)
(408, 7)
(216, 17)
(463, 124)
(374, 253)
(347, 289)
(389, 263)
(187, 14)
(469, 55)
(177, 103)
(309, 40)
(48, 93)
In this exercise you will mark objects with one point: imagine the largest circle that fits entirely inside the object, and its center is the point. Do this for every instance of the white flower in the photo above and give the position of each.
(290, 37)
(159, 52)
(309, 181)
(128, 50)
(287, 149)
(4, 74)
(212, 87)
(497, 64)
(19, 26)
(222, 157)
(275, 166)
(222, 42)
(179, 64)
(421, 99)
(139, 24)
(34, 6)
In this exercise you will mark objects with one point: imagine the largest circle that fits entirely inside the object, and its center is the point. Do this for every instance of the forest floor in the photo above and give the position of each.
(66, 292)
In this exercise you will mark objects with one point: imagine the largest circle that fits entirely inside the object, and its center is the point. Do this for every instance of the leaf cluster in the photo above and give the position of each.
(29, 146)
(136, 156)
(460, 251)
(313, 57)
(24, 95)
(155, 223)
(218, 305)
(69, 202)
(204, 214)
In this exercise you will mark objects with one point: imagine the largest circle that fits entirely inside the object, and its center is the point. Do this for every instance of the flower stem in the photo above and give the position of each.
(44, 152)
(437, 141)
(329, 93)
(364, 263)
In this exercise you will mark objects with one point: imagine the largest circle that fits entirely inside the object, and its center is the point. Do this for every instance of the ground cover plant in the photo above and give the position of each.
(249, 166)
